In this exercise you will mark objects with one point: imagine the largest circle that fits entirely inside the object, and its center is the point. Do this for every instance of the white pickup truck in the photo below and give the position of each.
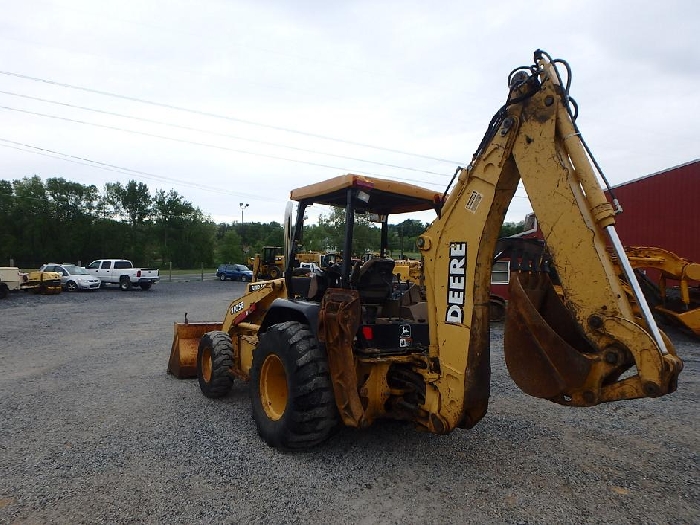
(123, 273)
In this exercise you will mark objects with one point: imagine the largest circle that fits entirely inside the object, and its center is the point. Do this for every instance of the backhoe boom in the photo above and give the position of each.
(535, 141)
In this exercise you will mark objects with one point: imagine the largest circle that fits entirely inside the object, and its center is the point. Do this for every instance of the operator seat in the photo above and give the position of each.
(374, 281)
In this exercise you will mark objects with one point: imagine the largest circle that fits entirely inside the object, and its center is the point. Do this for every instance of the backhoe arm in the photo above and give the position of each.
(572, 347)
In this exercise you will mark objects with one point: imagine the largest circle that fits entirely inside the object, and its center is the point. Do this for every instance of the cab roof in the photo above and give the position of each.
(385, 196)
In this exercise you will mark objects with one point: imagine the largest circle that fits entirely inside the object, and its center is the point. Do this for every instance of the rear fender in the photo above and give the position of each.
(289, 310)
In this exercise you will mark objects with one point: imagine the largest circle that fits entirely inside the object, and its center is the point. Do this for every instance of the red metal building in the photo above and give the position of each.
(663, 210)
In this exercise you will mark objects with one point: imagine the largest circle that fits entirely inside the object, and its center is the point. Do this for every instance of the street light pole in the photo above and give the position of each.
(243, 207)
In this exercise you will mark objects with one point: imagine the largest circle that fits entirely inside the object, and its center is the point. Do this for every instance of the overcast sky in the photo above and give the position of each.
(231, 102)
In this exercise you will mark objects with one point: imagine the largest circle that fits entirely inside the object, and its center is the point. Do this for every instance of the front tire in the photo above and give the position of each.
(214, 363)
(291, 389)
(71, 286)
(222, 277)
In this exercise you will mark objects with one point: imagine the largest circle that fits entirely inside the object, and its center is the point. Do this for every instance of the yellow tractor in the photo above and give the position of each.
(38, 282)
(347, 347)
(269, 264)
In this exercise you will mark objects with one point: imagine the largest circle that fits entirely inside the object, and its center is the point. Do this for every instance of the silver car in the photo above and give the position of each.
(73, 277)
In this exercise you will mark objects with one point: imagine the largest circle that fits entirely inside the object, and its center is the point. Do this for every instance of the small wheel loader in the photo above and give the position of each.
(351, 345)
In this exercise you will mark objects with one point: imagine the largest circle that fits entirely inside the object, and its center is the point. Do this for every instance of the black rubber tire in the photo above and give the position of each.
(310, 414)
(124, 283)
(71, 286)
(497, 309)
(222, 277)
(275, 272)
(4, 290)
(145, 286)
(214, 363)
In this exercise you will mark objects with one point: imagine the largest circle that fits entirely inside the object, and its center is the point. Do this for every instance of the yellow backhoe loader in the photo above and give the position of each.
(347, 347)
(268, 265)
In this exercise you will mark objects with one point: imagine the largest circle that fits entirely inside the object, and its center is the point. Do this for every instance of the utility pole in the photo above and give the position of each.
(243, 207)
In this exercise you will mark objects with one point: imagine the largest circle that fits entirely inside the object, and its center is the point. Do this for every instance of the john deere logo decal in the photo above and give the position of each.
(456, 282)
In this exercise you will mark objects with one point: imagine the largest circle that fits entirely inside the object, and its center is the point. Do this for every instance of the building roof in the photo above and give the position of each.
(657, 173)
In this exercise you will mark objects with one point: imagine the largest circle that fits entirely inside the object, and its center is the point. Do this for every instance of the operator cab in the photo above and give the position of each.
(389, 307)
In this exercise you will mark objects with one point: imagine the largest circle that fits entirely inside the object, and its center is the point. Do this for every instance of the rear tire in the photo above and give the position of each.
(124, 283)
(291, 390)
(222, 277)
(4, 290)
(275, 272)
(214, 363)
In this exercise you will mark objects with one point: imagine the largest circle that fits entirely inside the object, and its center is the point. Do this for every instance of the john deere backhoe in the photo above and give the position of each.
(348, 346)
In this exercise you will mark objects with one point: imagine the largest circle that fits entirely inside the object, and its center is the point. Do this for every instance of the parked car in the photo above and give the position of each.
(73, 277)
(235, 272)
(310, 266)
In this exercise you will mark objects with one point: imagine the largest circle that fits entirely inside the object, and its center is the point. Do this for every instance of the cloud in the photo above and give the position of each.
(414, 77)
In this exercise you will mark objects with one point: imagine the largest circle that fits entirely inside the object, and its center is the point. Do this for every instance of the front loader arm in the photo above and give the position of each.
(572, 351)
(241, 322)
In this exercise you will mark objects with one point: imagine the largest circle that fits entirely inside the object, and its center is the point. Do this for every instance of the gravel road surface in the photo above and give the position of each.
(93, 430)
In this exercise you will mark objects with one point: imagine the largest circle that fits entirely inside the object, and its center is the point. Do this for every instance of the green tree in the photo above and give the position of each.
(511, 228)
(31, 219)
(8, 237)
(132, 204)
(230, 249)
(170, 213)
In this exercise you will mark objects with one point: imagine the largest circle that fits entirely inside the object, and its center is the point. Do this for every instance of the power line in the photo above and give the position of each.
(36, 150)
(127, 171)
(227, 135)
(204, 144)
(225, 117)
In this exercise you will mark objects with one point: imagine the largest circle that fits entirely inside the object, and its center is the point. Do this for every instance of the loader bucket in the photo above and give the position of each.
(542, 344)
(183, 354)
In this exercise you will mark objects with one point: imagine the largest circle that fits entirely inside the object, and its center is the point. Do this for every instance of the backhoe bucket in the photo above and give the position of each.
(183, 354)
(542, 343)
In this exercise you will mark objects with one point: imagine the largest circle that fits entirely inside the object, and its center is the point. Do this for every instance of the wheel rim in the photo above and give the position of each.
(273, 387)
(206, 365)
(72, 286)
(222, 277)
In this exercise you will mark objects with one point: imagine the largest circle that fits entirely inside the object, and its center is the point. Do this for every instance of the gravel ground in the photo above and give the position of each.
(94, 431)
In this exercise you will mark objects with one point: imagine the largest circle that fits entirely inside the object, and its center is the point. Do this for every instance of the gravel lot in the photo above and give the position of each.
(94, 431)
